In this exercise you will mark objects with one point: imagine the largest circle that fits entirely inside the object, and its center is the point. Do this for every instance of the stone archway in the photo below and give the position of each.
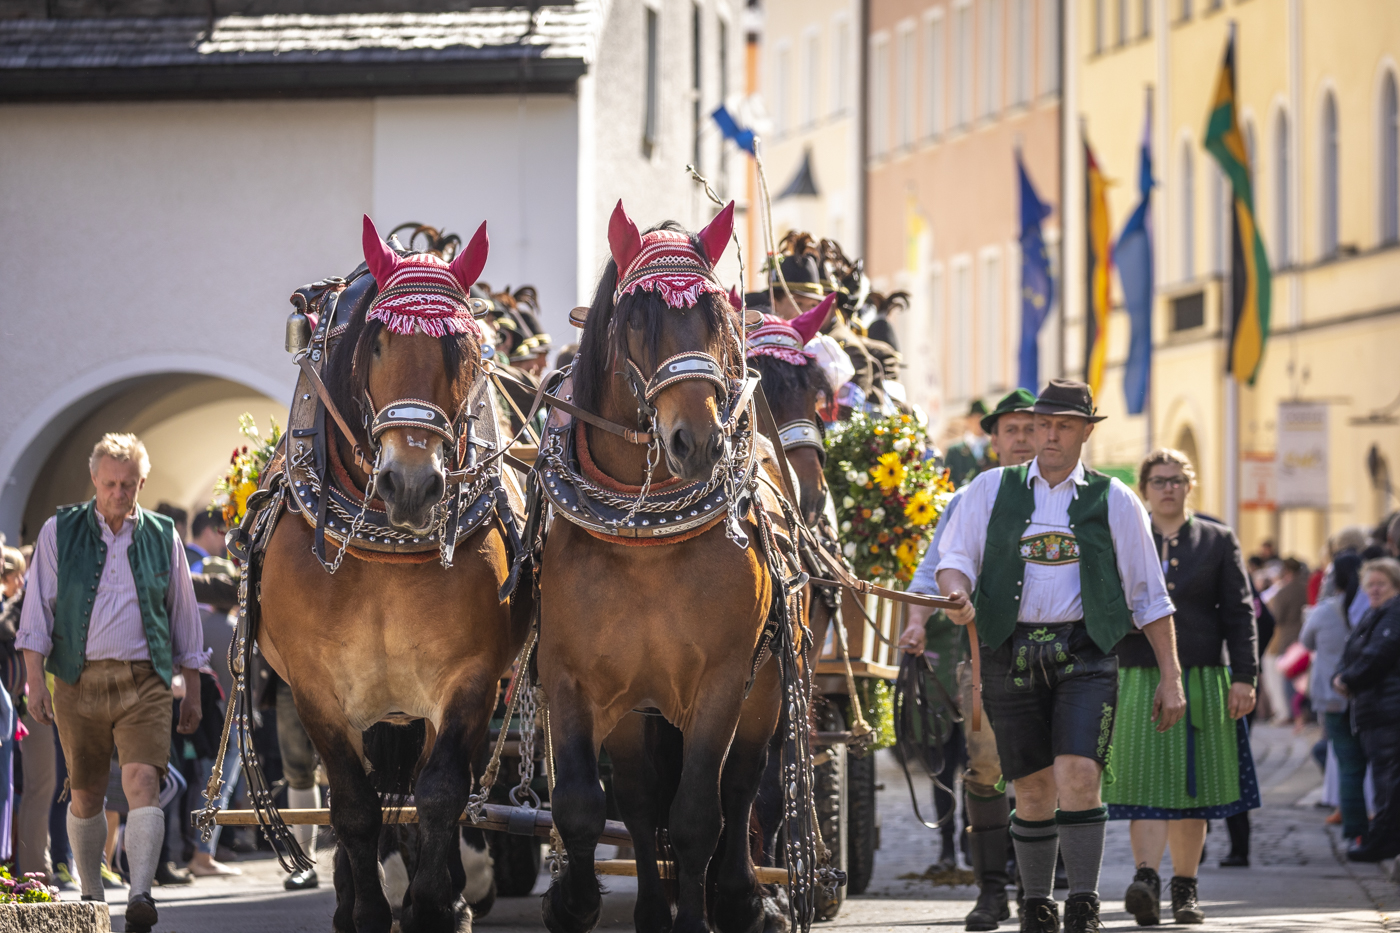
(185, 409)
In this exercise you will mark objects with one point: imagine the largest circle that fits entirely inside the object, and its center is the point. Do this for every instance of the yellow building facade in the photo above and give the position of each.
(1317, 99)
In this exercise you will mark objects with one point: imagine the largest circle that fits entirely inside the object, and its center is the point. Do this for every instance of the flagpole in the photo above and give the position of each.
(1232, 385)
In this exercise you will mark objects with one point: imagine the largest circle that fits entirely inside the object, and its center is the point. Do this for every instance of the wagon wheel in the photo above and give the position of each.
(862, 824)
(829, 792)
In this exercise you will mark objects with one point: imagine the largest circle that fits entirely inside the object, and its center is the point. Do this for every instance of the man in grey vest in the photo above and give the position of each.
(111, 614)
(1056, 563)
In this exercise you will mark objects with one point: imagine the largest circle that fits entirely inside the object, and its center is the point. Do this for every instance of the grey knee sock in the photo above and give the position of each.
(88, 837)
(308, 799)
(1037, 842)
(145, 831)
(1081, 843)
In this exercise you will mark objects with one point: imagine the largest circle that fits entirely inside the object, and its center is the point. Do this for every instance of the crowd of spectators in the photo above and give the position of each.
(1334, 659)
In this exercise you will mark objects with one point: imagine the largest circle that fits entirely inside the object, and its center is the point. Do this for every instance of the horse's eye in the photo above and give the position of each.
(378, 347)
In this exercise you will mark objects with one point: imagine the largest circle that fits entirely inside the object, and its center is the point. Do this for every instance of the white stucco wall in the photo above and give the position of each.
(166, 237)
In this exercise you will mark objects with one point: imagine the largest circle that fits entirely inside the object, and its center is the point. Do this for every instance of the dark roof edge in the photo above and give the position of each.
(244, 81)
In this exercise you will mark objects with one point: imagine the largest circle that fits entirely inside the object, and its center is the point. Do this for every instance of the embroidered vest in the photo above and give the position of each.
(998, 595)
(82, 555)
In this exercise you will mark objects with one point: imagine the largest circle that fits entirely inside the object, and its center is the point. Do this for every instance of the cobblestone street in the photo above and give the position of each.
(1296, 881)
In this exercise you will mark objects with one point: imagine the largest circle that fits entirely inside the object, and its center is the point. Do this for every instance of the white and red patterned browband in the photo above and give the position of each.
(422, 294)
(670, 266)
(777, 338)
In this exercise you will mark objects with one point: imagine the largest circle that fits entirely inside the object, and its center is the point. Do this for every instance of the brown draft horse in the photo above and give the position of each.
(672, 628)
(394, 642)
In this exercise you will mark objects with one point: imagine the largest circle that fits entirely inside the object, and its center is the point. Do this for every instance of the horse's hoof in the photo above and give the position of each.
(561, 917)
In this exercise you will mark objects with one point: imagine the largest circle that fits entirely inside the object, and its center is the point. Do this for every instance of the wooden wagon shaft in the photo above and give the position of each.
(520, 821)
(618, 866)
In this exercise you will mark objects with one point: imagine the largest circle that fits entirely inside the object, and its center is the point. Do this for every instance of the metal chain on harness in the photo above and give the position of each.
(476, 803)
(370, 485)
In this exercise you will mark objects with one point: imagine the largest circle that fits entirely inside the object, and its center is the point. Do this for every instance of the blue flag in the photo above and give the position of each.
(1133, 257)
(1037, 287)
(742, 136)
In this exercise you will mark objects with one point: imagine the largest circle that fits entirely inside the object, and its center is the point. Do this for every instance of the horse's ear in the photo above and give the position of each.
(381, 259)
(808, 323)
(624, 239)
(736, 301)
(467, 265)
(717, 232)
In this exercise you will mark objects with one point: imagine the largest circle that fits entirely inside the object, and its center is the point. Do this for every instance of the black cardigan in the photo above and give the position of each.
(1370, 667)
(1214, 605)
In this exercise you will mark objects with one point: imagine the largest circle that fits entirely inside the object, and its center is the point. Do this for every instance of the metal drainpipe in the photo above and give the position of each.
(863, 149)
(1064, 186)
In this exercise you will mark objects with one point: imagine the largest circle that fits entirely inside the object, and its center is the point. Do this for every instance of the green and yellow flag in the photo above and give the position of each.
(1250, 279)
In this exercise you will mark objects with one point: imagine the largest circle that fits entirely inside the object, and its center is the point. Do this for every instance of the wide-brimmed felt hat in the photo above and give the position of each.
(1020, 400)
(977, 409)
(1067, 397)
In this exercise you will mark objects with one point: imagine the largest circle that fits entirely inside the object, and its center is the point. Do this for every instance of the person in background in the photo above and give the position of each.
(968, 457)
(1325, 633)
(1392, 536)
(1238, 825)
(1011, 428)
(1056, 564)
(882, 327)
(1286, 603)
(1170, 783)
(110, 611)
(11, 688)
(181, 518)
(1369, 677)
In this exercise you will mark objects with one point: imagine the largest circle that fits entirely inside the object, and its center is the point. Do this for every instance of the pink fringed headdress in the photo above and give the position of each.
(785, 340)
(420, 291)
(665, 262)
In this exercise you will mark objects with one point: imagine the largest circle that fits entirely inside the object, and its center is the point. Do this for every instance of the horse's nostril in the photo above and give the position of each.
(436, 485)
(681, 444)
(387, 484)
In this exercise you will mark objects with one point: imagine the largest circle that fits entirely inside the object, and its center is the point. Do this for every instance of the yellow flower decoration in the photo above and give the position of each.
(919, 510)
(888, 471)
(908, 552)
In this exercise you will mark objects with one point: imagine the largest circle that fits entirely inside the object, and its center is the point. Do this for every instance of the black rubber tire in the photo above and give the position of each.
(518, 860)
(826, 789)
(862, 833)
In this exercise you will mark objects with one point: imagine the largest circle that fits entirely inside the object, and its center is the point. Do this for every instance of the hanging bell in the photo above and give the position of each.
(298, 332)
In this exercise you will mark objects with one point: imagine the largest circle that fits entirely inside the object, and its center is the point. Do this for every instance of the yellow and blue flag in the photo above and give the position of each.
(1251, 282)
(1098, 268)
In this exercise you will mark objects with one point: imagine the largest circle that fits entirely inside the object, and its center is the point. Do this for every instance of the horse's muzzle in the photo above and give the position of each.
(410, 494)
(690, 457)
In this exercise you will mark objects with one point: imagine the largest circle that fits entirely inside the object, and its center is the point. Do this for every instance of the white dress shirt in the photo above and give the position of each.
(115, 630)
(1050, 591)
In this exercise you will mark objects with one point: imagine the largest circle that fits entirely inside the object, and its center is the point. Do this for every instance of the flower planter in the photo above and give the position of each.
(62, 917)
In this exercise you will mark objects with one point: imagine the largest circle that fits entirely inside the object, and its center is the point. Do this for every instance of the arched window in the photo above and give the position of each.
(1283, 209)
(1390, 161)
(1188, 213)
(1330, 181)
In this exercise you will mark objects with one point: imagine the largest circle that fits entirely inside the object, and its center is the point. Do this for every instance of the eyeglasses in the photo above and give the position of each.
(1163, 482)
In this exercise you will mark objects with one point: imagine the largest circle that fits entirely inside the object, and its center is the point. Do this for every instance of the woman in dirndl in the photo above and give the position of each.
(1170, 784)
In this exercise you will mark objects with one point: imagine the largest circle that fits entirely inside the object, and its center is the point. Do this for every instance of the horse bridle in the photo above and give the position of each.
(803, 432)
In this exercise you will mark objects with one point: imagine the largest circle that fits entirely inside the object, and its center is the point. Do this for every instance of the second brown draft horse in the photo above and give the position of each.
(671, 628)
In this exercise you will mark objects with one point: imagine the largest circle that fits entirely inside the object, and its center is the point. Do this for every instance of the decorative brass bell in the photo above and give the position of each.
(298, 332)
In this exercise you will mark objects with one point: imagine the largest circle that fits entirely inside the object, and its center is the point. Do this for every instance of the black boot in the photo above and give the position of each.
(1082, 914)
(1184, 906)
(1040, 915)
(986, 849)
(1144, 897)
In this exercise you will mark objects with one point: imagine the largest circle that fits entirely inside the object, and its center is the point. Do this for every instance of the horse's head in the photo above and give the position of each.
(797, 390)
(415, 358)
(661, 327)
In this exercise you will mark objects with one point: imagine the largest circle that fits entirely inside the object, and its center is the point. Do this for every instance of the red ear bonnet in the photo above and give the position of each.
(624, 239)
(381, 259)
(808, 323)
(715, 236)
(466, 268)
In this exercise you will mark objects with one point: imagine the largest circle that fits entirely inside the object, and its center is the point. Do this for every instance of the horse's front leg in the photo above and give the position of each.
(355, 815)
(441, 793)
(695, 815)
(645, 753)
(574, 899)
(738, 902)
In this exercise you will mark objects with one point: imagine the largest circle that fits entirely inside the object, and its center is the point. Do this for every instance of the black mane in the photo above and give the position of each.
(604, 344)
(347, 370)
(782, 380)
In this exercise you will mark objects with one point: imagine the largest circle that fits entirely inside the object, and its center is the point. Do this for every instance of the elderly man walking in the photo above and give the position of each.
(1056, 563)
(111, 613)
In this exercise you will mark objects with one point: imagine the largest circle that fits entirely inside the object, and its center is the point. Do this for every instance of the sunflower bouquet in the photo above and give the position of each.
(245, 469)
(888, 495)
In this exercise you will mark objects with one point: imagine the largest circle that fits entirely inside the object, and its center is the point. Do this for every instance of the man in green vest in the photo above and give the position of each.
(1056, 563)
(110, 612)
(970, 456)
